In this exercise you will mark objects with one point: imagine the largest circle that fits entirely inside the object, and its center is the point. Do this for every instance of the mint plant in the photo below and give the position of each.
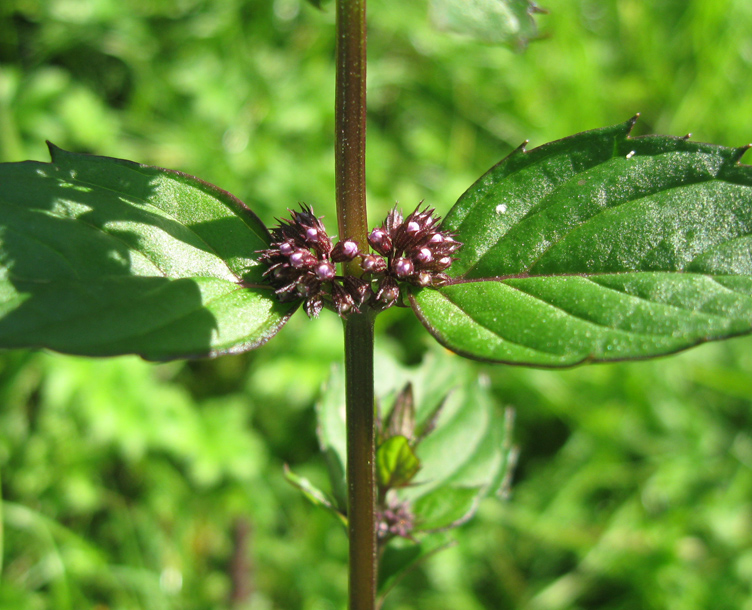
(595, 248)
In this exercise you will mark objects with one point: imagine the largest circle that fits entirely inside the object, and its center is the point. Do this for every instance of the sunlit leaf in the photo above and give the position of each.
(598, 247)
(103, 256)
(396, 463)
(314, 494)
(508, 22)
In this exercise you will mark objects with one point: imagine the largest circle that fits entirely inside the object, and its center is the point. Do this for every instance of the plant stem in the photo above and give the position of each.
(350, 124)
(360, 461)
(350, 177)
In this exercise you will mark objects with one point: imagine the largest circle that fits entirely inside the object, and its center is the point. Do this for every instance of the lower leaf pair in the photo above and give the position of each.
(442, 449)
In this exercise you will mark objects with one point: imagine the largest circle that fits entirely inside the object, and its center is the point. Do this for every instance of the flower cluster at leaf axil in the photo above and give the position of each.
(302, 259)
(394, 519)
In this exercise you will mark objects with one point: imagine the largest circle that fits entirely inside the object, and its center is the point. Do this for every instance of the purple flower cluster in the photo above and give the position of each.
(301, 261)
(411, 249)
(396, 519)
(302, 258)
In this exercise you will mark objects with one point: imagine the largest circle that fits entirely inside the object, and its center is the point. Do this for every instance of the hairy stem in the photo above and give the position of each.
(360, 461)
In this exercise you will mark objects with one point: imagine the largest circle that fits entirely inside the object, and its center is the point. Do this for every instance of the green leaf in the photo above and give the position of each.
(103, 257)
(598, 247)
(508, 22)
(396, 463)
(467, 456)
(465, 459)
(331, 430)
(401, 556)
(314, 494)
(401, 419)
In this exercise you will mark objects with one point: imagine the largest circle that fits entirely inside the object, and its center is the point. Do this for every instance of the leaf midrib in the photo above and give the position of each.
(589, 276)
(586, 320)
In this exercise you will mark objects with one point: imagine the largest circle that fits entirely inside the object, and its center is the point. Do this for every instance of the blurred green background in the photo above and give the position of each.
(127, 485)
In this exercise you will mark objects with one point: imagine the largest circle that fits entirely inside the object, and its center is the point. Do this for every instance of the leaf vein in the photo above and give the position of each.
(160, 213)
(513, 342)
(604, 325)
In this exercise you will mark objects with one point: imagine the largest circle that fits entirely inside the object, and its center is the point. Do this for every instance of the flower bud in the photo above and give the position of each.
(395, 519)
(393, 220)
(286, 248)
(373, 264)
(342, 300)
(325, 271)
(313, 306)
(424, 256)
(360, 290)
(380, 241)
(345, 251)
(439, 279)
(403, 267)
(301, 258)
(389, 291)
(424, 279)
(444, 262)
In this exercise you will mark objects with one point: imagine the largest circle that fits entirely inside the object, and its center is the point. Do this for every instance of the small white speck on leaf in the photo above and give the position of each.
(501, 208)
(630, 154)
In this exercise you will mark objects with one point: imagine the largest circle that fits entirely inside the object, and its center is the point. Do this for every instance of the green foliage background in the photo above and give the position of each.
(127, 485)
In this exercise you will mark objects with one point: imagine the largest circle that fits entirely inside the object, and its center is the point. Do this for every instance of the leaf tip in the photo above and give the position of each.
(522, 148)
(740, 152)
(631, 123)
(52, 149)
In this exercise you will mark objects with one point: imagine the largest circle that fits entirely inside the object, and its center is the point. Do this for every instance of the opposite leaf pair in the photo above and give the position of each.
(596, 247)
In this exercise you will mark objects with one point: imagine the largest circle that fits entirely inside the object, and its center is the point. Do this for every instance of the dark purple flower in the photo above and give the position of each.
(301, 260)
(394, 519)
(373, 264)
(403, 267)
(325, 270)
(388, 291)
(380, 241)
(342, 299)
(412, 249)
(314, 305)
(359, 289)
(345, 251)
